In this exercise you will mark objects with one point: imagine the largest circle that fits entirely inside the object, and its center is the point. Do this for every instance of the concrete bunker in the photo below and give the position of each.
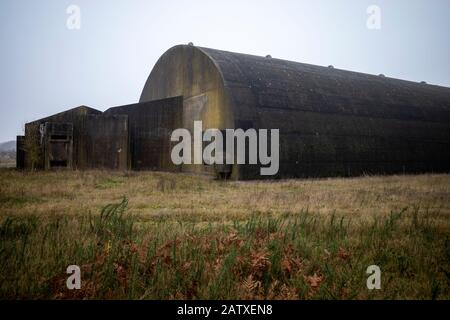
(332, 122)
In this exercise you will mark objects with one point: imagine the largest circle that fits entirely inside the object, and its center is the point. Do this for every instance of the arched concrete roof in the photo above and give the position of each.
(331, 121)
(276, 83)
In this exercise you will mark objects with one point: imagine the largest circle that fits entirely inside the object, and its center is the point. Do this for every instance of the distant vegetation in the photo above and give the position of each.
(175, 236)
(8, 154)
(7, 159)
(8, 146)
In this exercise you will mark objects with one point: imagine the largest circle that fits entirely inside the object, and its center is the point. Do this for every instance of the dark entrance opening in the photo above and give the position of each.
(58, 137)
(58, 163)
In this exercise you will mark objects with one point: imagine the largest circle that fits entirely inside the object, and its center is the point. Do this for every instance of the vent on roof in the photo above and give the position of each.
(381, 75)
(423, 82)
(191, 44)
(268, 56)
(331, 66)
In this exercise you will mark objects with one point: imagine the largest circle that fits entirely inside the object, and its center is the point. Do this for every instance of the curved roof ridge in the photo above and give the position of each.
(313, 67)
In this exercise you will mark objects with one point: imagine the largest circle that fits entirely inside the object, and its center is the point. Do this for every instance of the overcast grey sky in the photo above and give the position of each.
(47, 68)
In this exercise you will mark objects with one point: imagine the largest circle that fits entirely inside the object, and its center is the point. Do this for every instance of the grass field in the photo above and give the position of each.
(173, 236)
(7, 160)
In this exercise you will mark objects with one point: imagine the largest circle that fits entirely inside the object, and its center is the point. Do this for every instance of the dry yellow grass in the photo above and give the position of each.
(179, 236)
(156, 194)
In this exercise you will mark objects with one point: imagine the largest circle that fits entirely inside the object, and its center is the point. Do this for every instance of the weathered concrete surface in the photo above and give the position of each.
(150, 126)
(74, 116)
(57, 145)
(332, 122)
(97, 141)
(107, 141)
(20, 152)
(186, 71)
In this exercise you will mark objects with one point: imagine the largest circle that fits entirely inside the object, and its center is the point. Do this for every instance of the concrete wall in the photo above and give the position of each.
(187, 72)
(20, 152)
(98, 141)
(73, 116)
(332, 122)
(150, 126)
(106, 141)
(57, 145)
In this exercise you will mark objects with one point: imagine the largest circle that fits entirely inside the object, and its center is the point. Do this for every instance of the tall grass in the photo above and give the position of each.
(294, 255)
